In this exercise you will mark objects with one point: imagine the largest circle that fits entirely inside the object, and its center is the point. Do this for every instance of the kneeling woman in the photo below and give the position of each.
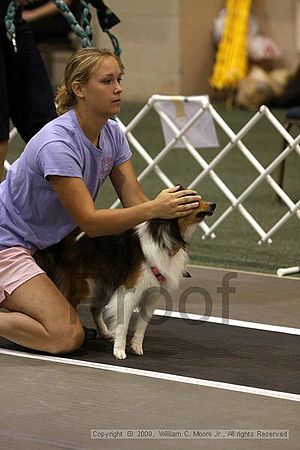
(50, 190)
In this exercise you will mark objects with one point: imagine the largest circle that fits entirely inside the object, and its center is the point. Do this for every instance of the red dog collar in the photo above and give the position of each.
(158, 275)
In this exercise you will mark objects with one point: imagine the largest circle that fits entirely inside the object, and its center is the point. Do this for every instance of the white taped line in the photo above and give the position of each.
(230, 322)
(283, 271)
(158, 375)
(246, 272)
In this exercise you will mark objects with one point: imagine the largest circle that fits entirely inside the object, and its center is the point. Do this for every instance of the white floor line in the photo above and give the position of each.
(158, 375)
(230, 322)
(247, 272)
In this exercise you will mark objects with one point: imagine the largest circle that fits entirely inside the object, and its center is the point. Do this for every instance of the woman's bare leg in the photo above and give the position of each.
(41, 318)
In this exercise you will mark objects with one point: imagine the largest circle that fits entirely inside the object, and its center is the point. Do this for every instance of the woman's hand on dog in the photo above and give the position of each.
(172, 203)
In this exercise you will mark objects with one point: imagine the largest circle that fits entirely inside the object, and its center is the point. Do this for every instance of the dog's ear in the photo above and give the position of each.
(181, 188)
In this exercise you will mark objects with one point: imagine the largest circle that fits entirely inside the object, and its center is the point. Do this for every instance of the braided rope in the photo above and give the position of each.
(10, 22)
(115, 43)
(84, 32)
(86, 19)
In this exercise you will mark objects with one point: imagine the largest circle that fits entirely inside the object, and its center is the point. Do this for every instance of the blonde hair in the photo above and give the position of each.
(79, 68)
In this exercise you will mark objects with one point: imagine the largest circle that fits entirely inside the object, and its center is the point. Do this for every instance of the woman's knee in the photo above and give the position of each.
(67, 340)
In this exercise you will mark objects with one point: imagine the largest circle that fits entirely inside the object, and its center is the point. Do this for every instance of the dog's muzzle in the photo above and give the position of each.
(212, 207)
(209, 212)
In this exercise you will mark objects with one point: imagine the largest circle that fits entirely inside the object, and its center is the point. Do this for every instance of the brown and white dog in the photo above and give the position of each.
(118, 271)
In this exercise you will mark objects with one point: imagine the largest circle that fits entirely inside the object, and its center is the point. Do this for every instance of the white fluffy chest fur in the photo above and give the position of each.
(170, 266)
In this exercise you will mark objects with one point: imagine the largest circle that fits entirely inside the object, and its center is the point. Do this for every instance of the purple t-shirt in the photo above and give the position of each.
(31, 214)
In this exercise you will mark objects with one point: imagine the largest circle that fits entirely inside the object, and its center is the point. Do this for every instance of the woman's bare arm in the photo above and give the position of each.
(127, 187)
(76, 199)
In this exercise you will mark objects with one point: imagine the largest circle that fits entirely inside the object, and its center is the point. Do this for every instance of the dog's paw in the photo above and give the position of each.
(136, 347)
(120, 354)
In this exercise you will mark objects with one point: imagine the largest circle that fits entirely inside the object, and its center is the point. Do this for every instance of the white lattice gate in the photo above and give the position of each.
(208, 169)
(205, 115)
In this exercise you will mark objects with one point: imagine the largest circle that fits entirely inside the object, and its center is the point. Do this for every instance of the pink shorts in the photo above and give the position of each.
(16, 266)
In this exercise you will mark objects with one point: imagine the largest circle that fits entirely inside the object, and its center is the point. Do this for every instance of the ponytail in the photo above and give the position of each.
(64, 100)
